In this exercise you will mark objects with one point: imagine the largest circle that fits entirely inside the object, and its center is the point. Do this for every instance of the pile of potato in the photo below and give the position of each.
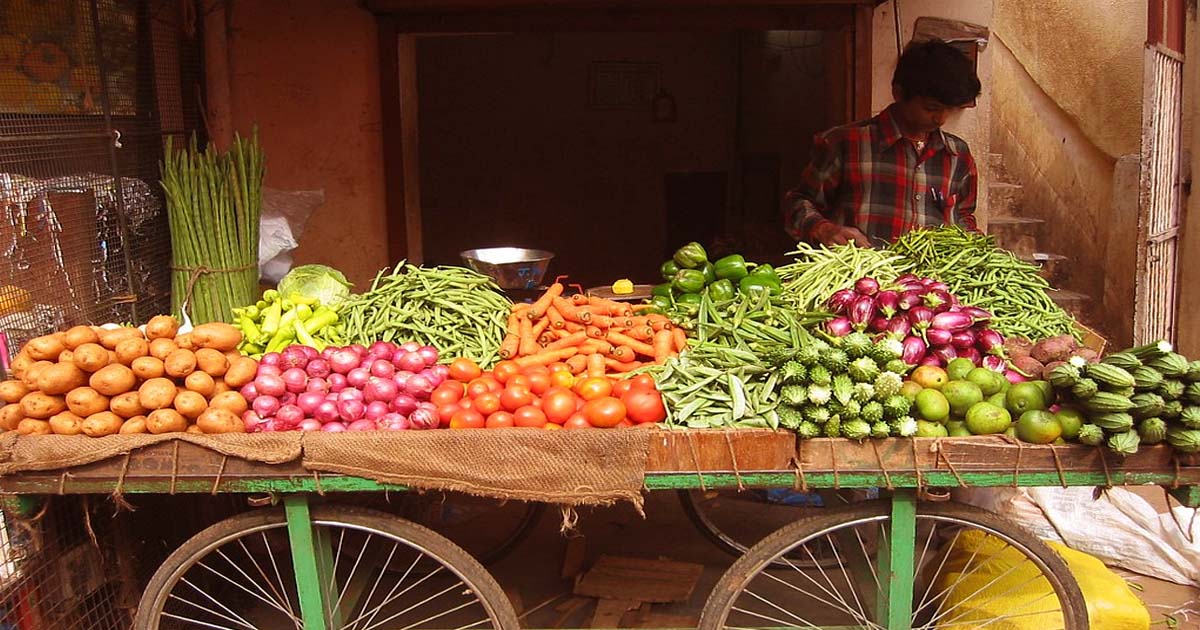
(100, 381)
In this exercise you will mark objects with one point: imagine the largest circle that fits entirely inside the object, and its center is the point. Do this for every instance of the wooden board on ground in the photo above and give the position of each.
(640, 579)
(609, 612)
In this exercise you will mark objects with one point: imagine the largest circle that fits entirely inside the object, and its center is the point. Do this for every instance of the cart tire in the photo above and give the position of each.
(497, 611)
(740, 579)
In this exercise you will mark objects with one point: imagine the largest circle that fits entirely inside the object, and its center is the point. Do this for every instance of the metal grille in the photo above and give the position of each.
(1161, 197)
(88, 91)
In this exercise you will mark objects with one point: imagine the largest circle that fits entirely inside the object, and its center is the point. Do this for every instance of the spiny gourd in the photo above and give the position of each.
(863, 370)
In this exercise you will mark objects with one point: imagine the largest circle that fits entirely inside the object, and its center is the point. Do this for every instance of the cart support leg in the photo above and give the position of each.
(309, 552)
(896, 571)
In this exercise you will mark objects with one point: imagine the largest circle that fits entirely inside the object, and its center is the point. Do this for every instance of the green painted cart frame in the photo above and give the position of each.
(676, 460)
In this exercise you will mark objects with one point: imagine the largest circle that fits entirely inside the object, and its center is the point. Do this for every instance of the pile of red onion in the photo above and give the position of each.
(386, 386)
(924, 315)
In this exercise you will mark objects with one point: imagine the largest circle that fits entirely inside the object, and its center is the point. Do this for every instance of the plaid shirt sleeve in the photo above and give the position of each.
(808, 203)
(965, 191)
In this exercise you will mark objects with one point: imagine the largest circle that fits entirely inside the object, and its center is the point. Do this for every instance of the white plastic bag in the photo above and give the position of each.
(284, 214)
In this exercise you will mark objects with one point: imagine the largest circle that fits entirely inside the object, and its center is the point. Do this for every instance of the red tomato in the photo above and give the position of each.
(562, 378)
(558, 405)
(550, 426)
(644, 381)
(625, 424)
(504, 370)
(577, 421)
(539, 382)
(499, 420)
(594, 387)
(477, 387)
(529, 416)
(621, 386)
(487, 404)
(514, 397)
(535, 369)
(644, 405)
(559, 367)
(446, 393)
(519, 380)
(463, 369)
(467, 419)
(467, 403)
(604, 412)
(445, 412)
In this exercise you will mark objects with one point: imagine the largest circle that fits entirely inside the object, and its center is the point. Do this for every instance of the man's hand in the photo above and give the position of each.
(830, 233)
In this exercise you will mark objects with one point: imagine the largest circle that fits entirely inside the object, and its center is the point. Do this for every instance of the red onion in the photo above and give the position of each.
(287, 398)
(434, 377)
(333, 427)
(292, 356)
(269, 385)
(252, 420)
(362, 425)
(1014, 377)
(327, 353)
(411, 362)
(840, 301)
(317, 385)
(327, 411)
(945, 353)
(317, 368)
(995, 363)
(294, 379)
(394, 421)
(401, 378)
(350, 394)
(249, 391)
(838, 326)
(423, 419)
(272, 370)
(866, 286)
(270, 358)
(910, 300)
(914, 350)
(991, 341)
(271, 425)
(337, 382)
(291, 415)
(310, 352)
(382, 349)
(410, 346)
(351, 410)
(403, 404)
(380, 390)
(265, 406)
(962, 339)
(970, 353)
(309, 424)
(343, 361)
(879, 324)
(953, 322)
(419, 387)
(382, 368)
(899, 326)
(429, 354)
(442, 371)
(358, 377)
(309, 401)
(359, 349)
(376, 410)
(920, 317)
(888, 302)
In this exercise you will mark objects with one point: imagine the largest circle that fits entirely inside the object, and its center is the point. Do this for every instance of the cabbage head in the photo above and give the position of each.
(316, 281)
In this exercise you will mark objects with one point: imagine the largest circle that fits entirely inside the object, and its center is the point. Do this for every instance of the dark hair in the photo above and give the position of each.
(936, 70)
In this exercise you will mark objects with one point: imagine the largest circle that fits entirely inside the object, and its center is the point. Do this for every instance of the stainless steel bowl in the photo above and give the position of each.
(510, 267)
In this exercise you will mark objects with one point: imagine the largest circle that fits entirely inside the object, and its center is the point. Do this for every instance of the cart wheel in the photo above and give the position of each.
(999, 573)
(735, 521)
(381, 572)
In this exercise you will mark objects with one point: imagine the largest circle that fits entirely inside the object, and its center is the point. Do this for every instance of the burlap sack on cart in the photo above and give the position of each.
(578, 467)
(50, 452)
(989, 583)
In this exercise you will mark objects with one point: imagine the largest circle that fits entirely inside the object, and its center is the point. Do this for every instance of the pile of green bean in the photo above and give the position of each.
(755, 323)
(981, 274)
(458, 311)
(714, 387)
(818, 272)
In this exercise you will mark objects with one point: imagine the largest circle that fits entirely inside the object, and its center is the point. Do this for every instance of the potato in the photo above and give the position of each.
(201, 383)
(41, 406)
(220, 387)
(66, 423)
(13, 391)
(66, 357)
(180, 363)
(79, 335)
(113, 379)
(217, 420)
(165, 421)
(194, 429)
(216, 335)
(127, 405)
(233, 355)
(85, 401)
(185, 341)
(90, 357)
(11, 416)
(232, 402)
(111, 337)
(146, 368)
(46, 348)
(241, 371)
(30, 426)
(130, 349)
(190, 404)
(1029, 366)
(20, 363)
(34, 371)
(160, 348)
(102, 424)
(1054, 349)
(156, 393)
(162, 327)
(1087, 354)
(136, 424)
(61, 378)
(212, 362)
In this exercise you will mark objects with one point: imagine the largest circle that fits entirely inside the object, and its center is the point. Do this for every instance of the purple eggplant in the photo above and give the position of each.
(862, 310)
(914, 350)
(910, 300)
(932, 359)
(937, 286)
(970, 353)
(866, 286)
(839, 326)
(939, 300)
(945, 353)
(899, 327)
(906, 278)
(995, 363)
(921, 317)
(879, 324)
(912, 286)
(840, 301)
(888, 302)
(927, 282)
(991, 342)
(963, 339)
(977, 314)
(953, 322)
(938, 337)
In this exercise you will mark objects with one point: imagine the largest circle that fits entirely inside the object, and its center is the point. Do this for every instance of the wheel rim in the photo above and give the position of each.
(981, 584)
(245, 581)
(734, 533)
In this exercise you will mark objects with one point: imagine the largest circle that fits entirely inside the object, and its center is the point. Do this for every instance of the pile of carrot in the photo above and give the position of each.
(588, 333)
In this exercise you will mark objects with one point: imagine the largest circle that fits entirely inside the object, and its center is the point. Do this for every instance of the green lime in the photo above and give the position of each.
(988, 381)
(932, 406)
(961, 395)
(1071, 420)
(910, 390)
(1022, 397)
(1047, 391)
(1038, 427)
(998, 400)
(959, 431)
(957, 369)
(931, 429)
(984, 418)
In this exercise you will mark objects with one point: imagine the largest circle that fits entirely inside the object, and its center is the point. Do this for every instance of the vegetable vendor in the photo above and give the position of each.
(871, 181)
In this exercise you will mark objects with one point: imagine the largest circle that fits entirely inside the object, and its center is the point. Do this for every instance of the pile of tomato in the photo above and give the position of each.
(545, 397)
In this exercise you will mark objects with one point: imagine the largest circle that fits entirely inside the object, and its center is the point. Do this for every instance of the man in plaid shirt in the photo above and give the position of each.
(871, 181)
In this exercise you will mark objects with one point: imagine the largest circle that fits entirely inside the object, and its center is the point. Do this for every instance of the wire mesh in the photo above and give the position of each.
(89, 89)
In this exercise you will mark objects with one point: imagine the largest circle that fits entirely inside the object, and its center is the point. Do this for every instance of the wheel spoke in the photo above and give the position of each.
(962, 600)
(234, 617)
(393, 595)
(845, 607)
(235, 583)
(266, 580)
(778, 622)
(282, 587)
(371, 595)
(197, 621)
(417, 605)
(437, 616)
(850, 583)
(353, 571)
(964, 574)
(274, 604)
(1006, 617)
(1003, 594)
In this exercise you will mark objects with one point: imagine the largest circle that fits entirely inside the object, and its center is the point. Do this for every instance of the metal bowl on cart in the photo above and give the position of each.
(510, 267)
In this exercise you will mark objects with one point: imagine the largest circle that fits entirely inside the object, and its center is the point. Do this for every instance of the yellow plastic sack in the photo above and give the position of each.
(1002, 582)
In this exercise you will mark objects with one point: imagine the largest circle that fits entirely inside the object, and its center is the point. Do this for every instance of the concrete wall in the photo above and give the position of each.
(306, 71)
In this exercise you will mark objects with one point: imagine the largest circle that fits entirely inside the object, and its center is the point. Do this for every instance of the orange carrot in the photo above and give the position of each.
(639, 347)
(641, 333)
(603, 321)
(510, 346)
(579, 299)
(529, 343)
(600, 345)
(538, 310)
(572, 313)
(540, 327)
(577, 363)
(546, 357)
(621, 321)
(664, 345)
(588, 347)
(595, 365)
(679, 339)
(572, 339)
(659, 322)
(556, 318)
(623, 354)
(610, 307)
(545, 338)
(595, 332)
(514, 324)
(620, 366)
(573, 326)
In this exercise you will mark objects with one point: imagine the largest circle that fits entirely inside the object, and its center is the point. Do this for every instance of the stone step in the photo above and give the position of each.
(1072, 302)
(1054, 267)
(1018, 235)
(997, 170)
(1005, 200)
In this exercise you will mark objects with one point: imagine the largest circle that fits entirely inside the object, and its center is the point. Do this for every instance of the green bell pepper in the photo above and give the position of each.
(752, 285)
(721, 291)
(688, 281)
(690, 256)
(765, 271)
(690, 298)
(731, 267)
(662, 303)
(710, 273)
(663, 289)
(668, 270)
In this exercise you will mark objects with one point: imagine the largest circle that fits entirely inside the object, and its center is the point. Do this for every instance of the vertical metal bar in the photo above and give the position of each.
(896, 557)
(325, 575)
(304, 547)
